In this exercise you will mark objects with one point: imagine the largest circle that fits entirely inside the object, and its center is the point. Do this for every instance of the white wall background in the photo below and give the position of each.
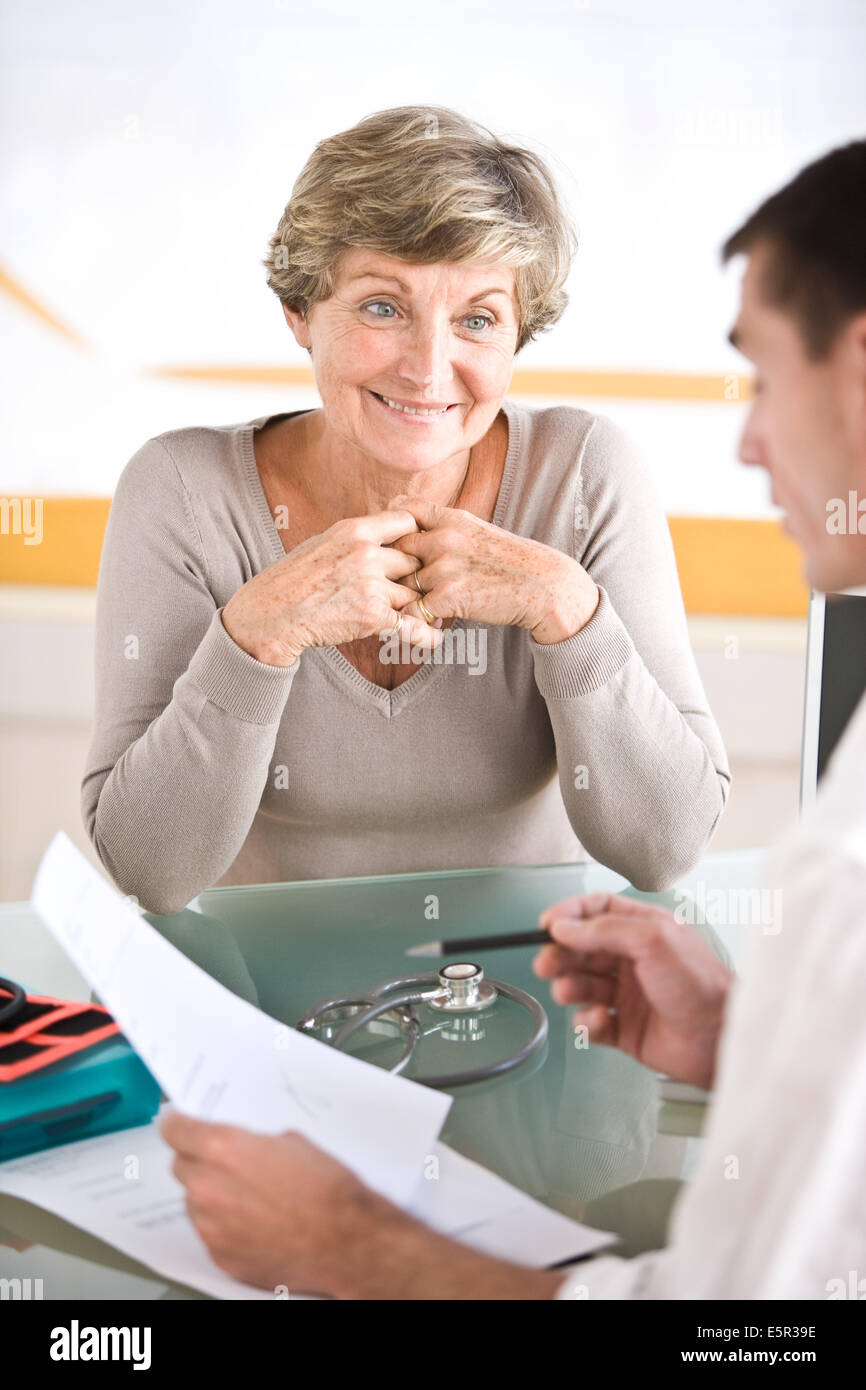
(149, 151)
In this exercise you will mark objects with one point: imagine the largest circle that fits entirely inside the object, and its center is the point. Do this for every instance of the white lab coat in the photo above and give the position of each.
(777, 1208)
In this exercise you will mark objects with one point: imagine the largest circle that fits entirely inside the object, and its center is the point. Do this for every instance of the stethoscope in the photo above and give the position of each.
(455, 989)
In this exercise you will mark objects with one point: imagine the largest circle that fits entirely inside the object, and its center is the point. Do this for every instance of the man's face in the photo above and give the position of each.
(807, 428)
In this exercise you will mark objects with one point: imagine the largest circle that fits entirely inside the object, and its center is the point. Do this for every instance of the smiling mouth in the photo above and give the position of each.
(413, 412)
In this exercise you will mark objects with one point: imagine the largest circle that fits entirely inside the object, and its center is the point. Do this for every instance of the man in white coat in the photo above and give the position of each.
(777, 1208)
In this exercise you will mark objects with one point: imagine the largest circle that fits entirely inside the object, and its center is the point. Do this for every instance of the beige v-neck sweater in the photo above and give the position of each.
(209, 767)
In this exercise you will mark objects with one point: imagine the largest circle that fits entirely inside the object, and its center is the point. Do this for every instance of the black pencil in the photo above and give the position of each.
(463, 944)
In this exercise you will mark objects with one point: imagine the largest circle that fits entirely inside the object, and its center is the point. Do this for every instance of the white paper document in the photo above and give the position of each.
(120, 1187)
(218, 1057)
(477, 1207)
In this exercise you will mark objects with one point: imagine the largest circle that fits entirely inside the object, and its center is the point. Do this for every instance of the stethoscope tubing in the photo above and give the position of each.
(416, 989)
(447, 1081)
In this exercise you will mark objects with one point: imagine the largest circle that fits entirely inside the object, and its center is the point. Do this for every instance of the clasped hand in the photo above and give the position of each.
(353, 580)
(474, 570)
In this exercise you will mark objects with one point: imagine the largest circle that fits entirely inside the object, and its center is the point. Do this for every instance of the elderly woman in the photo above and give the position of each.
(421, 627)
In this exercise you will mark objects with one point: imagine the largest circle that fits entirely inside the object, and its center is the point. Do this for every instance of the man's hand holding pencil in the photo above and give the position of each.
(646, 983)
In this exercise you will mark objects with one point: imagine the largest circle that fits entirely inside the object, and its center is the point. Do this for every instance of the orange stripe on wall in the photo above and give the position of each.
(729, 565)
(726, 565)
(72, 533)
(16, 291)
(529, 381)
(526, 381)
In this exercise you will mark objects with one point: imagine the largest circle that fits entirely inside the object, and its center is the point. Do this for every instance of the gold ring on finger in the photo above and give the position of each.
(398, 625)
(417, 583)
(431, 617)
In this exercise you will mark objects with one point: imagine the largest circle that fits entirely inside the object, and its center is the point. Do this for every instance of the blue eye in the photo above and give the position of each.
(377, 302)
(483, 319)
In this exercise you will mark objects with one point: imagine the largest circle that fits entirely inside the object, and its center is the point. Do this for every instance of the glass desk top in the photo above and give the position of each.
(585, 1129)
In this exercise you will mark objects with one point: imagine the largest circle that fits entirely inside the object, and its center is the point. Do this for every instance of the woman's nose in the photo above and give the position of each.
(427, 358)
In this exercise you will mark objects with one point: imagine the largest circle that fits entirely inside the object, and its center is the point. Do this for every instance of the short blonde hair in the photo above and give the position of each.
(425, 184)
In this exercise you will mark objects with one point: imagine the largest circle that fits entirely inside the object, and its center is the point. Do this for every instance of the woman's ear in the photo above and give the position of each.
(298, 324)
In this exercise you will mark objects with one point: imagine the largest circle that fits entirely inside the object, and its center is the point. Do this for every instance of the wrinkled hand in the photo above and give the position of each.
(271, 1209)
(474, 570)
(667, 989)
(345, 584)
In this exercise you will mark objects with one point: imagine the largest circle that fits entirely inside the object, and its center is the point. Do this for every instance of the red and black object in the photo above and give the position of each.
(37, 1030)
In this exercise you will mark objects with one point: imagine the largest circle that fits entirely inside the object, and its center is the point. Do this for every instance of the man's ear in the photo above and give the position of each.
(860, 330)
(855, 362)
(859, 327)
(853, 367)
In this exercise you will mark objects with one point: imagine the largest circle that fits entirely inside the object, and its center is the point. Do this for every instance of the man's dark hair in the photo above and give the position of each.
(815, 232)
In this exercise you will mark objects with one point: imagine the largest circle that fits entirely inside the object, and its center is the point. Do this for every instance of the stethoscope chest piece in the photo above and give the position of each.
(465, 990)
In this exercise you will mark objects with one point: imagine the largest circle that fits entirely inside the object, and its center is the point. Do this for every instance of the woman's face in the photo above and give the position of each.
(437, 337)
